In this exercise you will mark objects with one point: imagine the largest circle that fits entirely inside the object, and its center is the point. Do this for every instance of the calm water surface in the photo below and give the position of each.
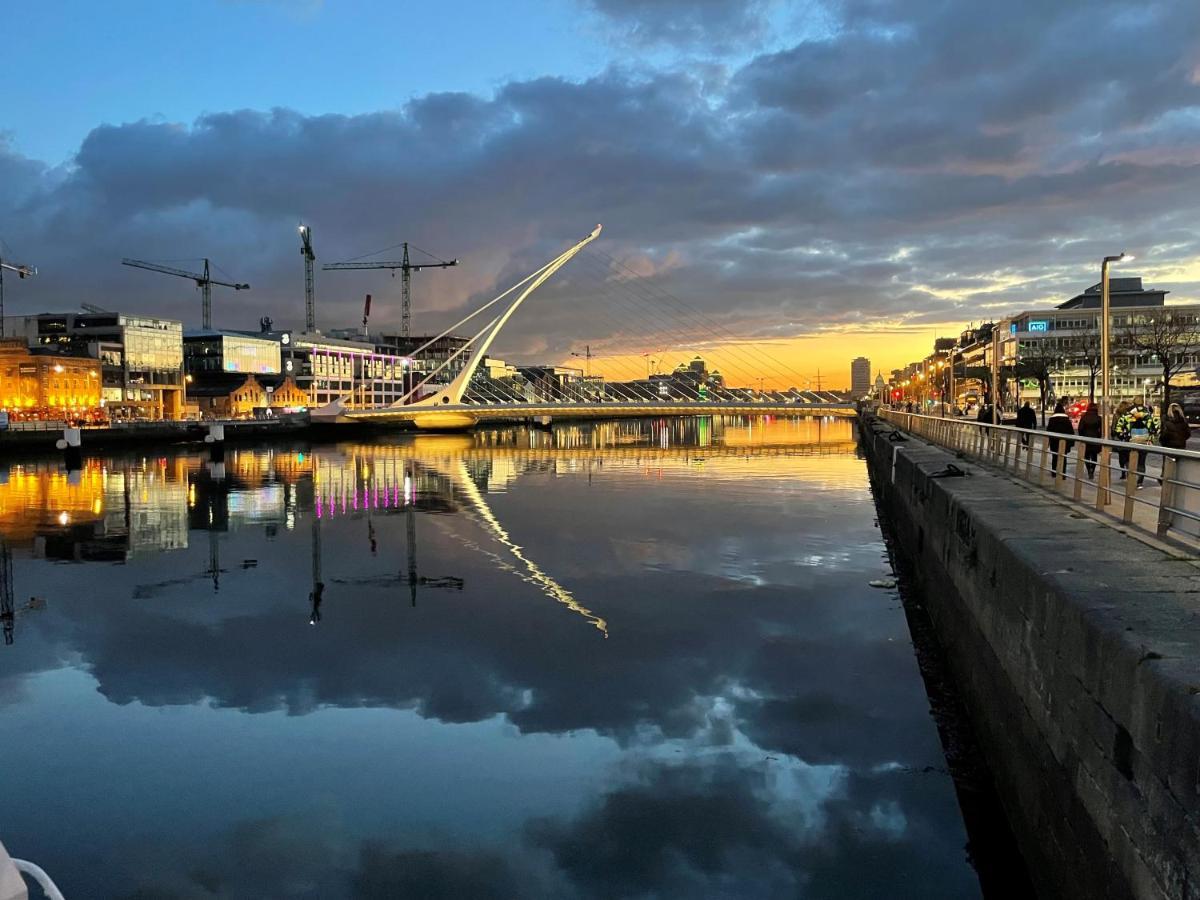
(630, 660)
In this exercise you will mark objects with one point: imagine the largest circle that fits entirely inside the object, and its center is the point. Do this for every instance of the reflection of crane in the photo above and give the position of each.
(310, 300)
(318, 587)
(8, 610)
(203, 281)
(406, 269)
(22, 272)
(411, 577)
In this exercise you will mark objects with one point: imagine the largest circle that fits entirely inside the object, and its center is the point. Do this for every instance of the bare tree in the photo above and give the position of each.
(1038, 360)
(1170, 336)
(1085, 351)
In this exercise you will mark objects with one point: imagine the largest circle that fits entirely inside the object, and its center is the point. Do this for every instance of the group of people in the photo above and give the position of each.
(1132, 422)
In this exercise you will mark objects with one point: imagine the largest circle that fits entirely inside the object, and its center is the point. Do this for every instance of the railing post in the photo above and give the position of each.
(1028, 456)
(1130, 485)
(1166, 496)
(1042, 466)
(1007, 444)
(1060, 466)
(1077, 493)
(1103, 478)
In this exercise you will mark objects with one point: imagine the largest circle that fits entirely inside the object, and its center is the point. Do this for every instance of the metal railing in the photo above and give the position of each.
(1153, 488)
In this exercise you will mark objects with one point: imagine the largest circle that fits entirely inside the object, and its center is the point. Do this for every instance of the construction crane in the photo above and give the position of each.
(22, 272)
(406, 268)
(310, 300)
(203, 281)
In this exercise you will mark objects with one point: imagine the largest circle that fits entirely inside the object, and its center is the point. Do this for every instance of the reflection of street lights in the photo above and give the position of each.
(1105, 399)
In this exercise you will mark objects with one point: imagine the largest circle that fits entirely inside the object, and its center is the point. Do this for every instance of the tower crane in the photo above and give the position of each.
(203, 281)
(22, 272)
(406, 268)
(310, 301)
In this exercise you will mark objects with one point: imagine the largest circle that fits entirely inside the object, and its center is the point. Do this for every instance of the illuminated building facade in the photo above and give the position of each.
(205, 352)
(48, 386)
(354, 371)
(141, 358)
(230, 396)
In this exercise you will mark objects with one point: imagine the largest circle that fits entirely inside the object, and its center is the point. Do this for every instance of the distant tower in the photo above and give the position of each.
(860, 377)
(880, 385)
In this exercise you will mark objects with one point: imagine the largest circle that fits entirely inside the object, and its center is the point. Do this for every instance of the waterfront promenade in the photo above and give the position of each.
(1075, 636)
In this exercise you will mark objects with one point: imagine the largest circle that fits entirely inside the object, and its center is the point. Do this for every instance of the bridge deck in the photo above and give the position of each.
(604, 410)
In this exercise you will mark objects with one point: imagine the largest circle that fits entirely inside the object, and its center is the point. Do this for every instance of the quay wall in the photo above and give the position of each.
(1076, 649)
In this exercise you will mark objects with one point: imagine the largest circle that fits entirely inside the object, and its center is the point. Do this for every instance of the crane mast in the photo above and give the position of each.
(22, 272)
(203, 280)
(406, 267)
(310, 302)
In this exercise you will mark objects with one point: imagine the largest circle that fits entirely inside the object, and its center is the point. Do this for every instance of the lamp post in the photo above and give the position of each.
(995, 373)
(1105, 337)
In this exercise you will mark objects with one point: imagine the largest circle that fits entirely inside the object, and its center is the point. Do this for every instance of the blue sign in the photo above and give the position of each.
(1039, 325)
(1012, 329)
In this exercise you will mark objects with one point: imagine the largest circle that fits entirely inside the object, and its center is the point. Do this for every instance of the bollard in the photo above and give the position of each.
(69, 444)
(216, 443)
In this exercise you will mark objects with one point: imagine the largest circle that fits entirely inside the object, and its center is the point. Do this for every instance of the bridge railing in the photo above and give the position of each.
(1148, 487)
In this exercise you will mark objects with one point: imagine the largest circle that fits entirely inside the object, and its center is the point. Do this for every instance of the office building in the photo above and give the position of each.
(207, 352)
(141, 358)
(860, 377)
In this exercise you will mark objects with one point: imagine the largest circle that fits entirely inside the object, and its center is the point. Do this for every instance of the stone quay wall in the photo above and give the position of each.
(1076, 649)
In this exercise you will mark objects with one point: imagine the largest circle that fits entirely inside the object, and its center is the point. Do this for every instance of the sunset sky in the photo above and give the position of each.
(824, 179)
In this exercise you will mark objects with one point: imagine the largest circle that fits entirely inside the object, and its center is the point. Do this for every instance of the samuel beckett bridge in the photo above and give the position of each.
(637, 310)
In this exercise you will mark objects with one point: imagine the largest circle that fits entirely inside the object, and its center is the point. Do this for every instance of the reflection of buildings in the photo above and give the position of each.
(101, 512)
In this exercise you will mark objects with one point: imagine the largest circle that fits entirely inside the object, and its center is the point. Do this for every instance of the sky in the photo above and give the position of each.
(813, 179)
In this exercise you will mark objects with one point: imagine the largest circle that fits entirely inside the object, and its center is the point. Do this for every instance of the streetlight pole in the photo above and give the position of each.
(953, 394)
(1105, 337)
(995, 373)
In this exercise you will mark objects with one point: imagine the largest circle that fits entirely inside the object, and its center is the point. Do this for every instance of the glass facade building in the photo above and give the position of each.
(141, 358)
(209, 351)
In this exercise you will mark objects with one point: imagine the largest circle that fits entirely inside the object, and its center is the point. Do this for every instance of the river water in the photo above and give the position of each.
(634, 659)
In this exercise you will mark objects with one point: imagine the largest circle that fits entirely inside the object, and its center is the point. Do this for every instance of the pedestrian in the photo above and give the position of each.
(1090, 426)
(1175, 428)
(1122, 453)
(1059, 423)
(1026, 419)
(1139, 425)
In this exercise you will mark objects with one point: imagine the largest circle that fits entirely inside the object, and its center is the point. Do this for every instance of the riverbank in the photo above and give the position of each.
(1077, 650)
(27, 442)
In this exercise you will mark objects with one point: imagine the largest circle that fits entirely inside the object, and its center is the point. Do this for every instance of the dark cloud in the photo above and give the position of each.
(903, 159)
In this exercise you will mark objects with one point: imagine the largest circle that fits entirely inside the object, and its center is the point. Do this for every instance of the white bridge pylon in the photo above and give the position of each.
(452, 394)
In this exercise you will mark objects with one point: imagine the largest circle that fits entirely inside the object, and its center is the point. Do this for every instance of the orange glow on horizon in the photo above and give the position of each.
(780, 364)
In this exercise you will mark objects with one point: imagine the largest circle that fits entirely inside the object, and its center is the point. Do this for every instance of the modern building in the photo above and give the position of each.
(141, 358)
(206, 352)
(359, 372)
(41, 385)
(1064, 342)
(447, 350)
(1066, 339)
(860, 377)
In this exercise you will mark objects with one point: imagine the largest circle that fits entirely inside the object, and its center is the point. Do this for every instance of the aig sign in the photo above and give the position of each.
(1039, 325)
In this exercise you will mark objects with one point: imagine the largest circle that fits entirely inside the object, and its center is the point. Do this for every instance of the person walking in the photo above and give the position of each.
(1139, 425)
(1059, 423)
(1090, 426)
(1123, 453)
(1026, 419)
(1175, 428)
